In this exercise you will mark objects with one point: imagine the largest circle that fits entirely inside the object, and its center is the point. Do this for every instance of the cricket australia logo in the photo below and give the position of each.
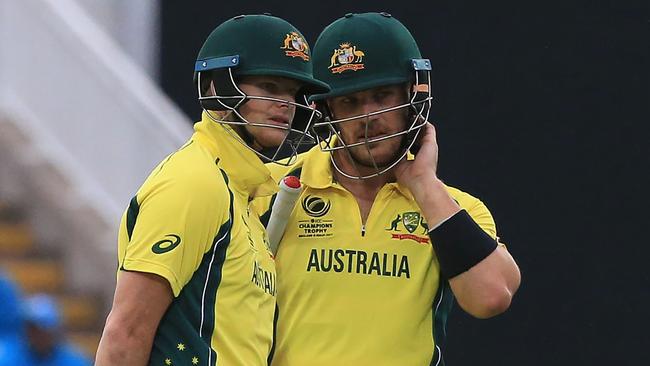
(346, 58)
(410, 221)
(295, 46)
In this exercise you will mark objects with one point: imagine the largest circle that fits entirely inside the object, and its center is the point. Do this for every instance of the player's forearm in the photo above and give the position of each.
(124, 344)
(118, 347)
(433, 199)
(487, 289)
(482, 278)
(140, 301)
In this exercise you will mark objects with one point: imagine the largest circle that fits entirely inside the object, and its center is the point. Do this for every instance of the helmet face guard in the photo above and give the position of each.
(330, 140)
(229, 97)
(257, 45)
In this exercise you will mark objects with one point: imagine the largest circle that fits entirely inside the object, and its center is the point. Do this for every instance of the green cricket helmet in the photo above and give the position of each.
(256, 45)
(364, 51)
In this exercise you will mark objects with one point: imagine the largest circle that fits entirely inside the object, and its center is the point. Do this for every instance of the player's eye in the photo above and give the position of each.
(294, 91)
(383, 94)
(269, 87)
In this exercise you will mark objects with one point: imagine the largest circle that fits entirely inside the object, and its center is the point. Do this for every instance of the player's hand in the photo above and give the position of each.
(415, 174)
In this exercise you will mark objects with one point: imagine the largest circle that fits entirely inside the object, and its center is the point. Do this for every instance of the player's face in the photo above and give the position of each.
(376, 126)
(268, 112)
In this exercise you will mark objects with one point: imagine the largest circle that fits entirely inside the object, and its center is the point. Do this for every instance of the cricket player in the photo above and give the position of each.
(196, 283)
(378, 247)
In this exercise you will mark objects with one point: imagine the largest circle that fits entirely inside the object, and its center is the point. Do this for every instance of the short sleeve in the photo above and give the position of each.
(477, 210)
(177, 219)
(483, 217)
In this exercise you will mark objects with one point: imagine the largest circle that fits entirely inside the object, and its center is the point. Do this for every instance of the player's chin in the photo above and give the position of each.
(379, 157)
(271, 137)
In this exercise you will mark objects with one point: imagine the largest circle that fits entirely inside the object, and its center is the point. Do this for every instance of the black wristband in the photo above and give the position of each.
(460, 244)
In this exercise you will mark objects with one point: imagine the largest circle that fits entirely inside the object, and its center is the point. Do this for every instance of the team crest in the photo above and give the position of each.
(295, 46)
(346, 58)
(411, 221)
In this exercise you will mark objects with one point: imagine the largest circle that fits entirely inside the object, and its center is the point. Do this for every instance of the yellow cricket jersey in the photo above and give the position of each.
(353, 294)
(190, 223)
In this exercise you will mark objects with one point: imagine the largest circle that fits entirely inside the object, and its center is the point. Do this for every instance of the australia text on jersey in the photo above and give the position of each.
(263, 279)
(358, 262)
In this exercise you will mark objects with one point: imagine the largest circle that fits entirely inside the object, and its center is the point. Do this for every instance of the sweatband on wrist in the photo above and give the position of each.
(460, 244)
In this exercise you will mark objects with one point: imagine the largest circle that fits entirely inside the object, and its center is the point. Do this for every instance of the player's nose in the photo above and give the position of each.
(369, 106)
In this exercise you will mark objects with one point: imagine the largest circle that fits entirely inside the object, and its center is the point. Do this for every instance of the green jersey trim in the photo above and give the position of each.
(442, 304)
(132, 215)
(190, 320)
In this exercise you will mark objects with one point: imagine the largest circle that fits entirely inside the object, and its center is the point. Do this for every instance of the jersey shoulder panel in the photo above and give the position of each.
(174, 217)
(192, 166)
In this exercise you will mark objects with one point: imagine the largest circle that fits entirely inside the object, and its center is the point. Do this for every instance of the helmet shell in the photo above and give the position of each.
(259, 45)
(363, 51)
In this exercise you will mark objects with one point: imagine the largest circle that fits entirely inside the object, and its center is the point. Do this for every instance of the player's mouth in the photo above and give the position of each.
(279, 120)
(372, 135)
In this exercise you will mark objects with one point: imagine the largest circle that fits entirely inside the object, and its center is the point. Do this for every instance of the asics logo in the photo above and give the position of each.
(166, 245)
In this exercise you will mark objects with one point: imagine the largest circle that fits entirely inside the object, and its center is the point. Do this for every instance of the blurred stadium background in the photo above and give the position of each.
(541, 110)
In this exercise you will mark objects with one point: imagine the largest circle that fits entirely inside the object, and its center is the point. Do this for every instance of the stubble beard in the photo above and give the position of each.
(362, 156)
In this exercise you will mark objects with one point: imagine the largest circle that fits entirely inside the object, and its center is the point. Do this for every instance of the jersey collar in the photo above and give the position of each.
(403, 190)
(317, 169)
(243, 166)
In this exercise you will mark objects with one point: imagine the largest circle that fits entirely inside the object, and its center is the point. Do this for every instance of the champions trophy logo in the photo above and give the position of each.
(346, 58)
(295, 46)
(315, 206)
